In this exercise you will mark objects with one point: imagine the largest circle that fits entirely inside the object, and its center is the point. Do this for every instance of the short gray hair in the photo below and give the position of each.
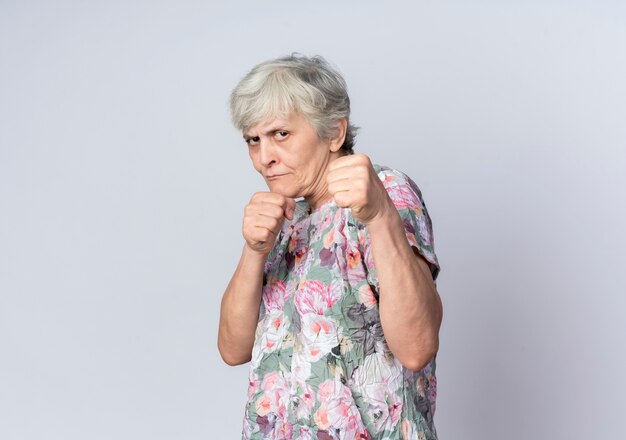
(295, 83)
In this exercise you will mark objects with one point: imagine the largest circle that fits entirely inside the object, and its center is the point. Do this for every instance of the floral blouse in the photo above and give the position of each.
(321, 368)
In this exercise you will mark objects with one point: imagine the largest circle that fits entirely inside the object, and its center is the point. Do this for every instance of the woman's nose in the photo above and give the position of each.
(267, 153)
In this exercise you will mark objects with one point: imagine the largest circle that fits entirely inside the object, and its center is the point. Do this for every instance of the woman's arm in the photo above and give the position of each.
(263, 218)
(239, 311)
(409, 305)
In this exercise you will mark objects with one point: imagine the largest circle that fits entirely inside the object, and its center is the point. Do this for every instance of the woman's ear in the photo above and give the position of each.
(340, 135)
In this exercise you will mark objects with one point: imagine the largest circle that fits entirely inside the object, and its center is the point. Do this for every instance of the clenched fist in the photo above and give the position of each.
(354, 184)
(263, 217)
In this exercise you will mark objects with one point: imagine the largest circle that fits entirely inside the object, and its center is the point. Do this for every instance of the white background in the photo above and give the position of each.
(122, 185)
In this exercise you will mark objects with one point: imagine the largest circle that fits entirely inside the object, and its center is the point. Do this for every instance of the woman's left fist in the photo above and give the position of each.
(354, 184)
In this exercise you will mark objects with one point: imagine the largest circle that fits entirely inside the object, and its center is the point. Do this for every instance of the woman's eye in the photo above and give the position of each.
(253, 140)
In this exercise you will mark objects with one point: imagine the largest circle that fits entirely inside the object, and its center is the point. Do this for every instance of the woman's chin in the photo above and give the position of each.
(282, 190)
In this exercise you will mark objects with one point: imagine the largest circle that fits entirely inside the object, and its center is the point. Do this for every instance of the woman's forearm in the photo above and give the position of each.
(410, 307)
(240, 308)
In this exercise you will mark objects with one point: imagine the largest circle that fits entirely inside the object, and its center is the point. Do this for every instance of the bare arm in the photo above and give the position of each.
(410, 307)
(239, 312)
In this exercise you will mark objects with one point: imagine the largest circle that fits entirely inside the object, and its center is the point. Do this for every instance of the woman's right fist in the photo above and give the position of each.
(263, 217)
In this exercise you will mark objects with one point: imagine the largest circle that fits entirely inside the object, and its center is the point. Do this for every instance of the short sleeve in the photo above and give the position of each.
(408, 200)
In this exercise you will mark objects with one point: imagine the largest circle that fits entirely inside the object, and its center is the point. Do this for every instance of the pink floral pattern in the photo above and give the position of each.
(321, 368)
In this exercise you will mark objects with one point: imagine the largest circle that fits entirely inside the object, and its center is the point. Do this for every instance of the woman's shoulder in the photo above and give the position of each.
(389, 173)
(393, 177)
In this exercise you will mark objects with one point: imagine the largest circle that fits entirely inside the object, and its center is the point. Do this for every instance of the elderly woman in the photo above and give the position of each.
(333, 300)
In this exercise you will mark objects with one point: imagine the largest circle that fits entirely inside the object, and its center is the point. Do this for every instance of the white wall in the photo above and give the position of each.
(122, 185)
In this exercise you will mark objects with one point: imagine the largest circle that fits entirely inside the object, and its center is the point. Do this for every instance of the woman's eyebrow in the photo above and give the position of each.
(278, 126)
(274, 129)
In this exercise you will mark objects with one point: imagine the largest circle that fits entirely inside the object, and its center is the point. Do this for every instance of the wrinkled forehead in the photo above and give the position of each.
(284, 121)
(273, 123)
(263, 118)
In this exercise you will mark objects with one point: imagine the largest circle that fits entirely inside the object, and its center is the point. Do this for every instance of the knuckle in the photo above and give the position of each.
(259, 196)
(280, 199)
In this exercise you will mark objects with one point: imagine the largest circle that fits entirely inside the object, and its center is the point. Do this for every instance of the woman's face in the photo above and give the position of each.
(291, 157)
